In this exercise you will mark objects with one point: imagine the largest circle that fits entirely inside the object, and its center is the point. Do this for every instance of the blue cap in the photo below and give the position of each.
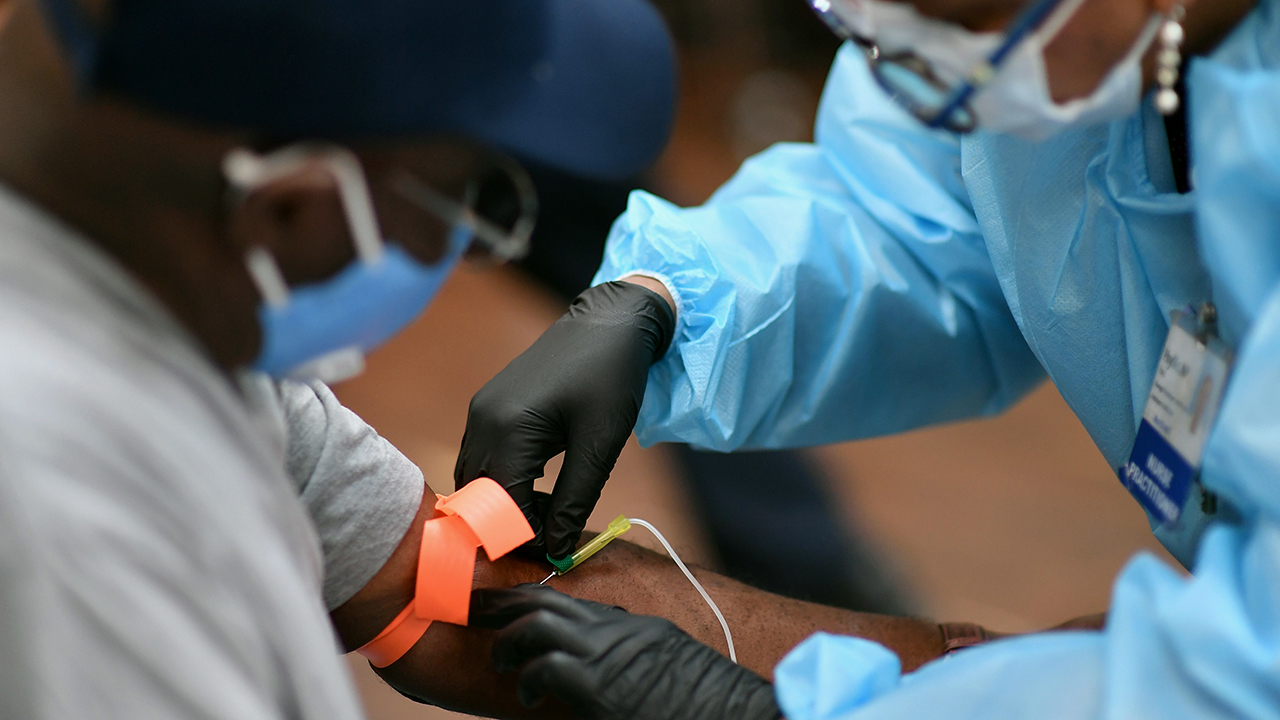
(583, 85)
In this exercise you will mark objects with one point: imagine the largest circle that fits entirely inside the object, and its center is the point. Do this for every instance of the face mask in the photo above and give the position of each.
(1017, 99)
(322, 330)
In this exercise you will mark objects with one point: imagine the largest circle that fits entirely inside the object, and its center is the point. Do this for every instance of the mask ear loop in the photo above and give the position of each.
(1055, 23)
(1057, 20)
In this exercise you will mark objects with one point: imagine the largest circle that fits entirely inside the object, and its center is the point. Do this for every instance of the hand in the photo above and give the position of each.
(578, 390)
(608, 664)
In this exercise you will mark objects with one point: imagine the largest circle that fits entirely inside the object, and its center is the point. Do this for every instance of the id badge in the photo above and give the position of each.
(1179, 414)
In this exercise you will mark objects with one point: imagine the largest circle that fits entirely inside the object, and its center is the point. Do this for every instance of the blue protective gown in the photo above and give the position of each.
(887, 277)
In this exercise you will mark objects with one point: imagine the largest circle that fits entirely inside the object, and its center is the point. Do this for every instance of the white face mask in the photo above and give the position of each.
(1017, 100)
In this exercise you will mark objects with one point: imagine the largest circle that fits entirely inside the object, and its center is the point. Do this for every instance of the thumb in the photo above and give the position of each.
(514, 464)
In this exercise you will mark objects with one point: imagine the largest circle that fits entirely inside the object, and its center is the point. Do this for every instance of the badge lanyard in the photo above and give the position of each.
(1180, 411)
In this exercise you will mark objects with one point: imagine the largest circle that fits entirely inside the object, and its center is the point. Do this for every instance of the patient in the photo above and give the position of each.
(175, 523)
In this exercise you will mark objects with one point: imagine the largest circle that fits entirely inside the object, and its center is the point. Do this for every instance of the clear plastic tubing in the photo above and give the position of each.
(728, 636)
(616, 528)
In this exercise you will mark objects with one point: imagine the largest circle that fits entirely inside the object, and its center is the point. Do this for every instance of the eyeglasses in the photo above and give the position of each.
(912, 81)
(499, 208)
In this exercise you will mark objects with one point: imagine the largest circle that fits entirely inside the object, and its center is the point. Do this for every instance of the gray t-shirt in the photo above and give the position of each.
(155, 559)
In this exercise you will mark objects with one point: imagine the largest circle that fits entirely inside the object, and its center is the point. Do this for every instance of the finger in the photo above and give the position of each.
(513, 459)
(538, 633)
(495, 608)
(535, 551)
(587, 464)
(511, 456)
(559, 675)
(541, 502)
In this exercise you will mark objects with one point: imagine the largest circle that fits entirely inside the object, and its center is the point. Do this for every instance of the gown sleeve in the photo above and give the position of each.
(828, 291)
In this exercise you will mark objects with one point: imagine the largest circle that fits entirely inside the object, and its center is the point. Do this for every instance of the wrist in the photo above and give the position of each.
(480, 515)
(642, 313)
(653, 285)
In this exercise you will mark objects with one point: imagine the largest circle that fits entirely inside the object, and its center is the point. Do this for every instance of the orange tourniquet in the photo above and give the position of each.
(393, 642)
(445, 565)
(492, 515)
(481, 513)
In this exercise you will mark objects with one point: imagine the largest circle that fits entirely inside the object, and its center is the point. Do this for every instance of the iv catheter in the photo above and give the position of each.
(620, 525)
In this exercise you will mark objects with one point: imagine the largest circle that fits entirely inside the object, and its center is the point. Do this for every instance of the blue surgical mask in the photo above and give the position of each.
(322, 330)
(1004, 72)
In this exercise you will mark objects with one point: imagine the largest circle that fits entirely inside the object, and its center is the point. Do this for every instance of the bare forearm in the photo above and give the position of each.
(450, 666)
(764, 626)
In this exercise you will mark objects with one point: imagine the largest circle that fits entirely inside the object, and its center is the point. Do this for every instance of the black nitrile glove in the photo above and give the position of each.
(578, 390)
(608, 664)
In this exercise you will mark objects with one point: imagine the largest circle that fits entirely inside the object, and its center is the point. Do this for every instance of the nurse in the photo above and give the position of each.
(1015, 207)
